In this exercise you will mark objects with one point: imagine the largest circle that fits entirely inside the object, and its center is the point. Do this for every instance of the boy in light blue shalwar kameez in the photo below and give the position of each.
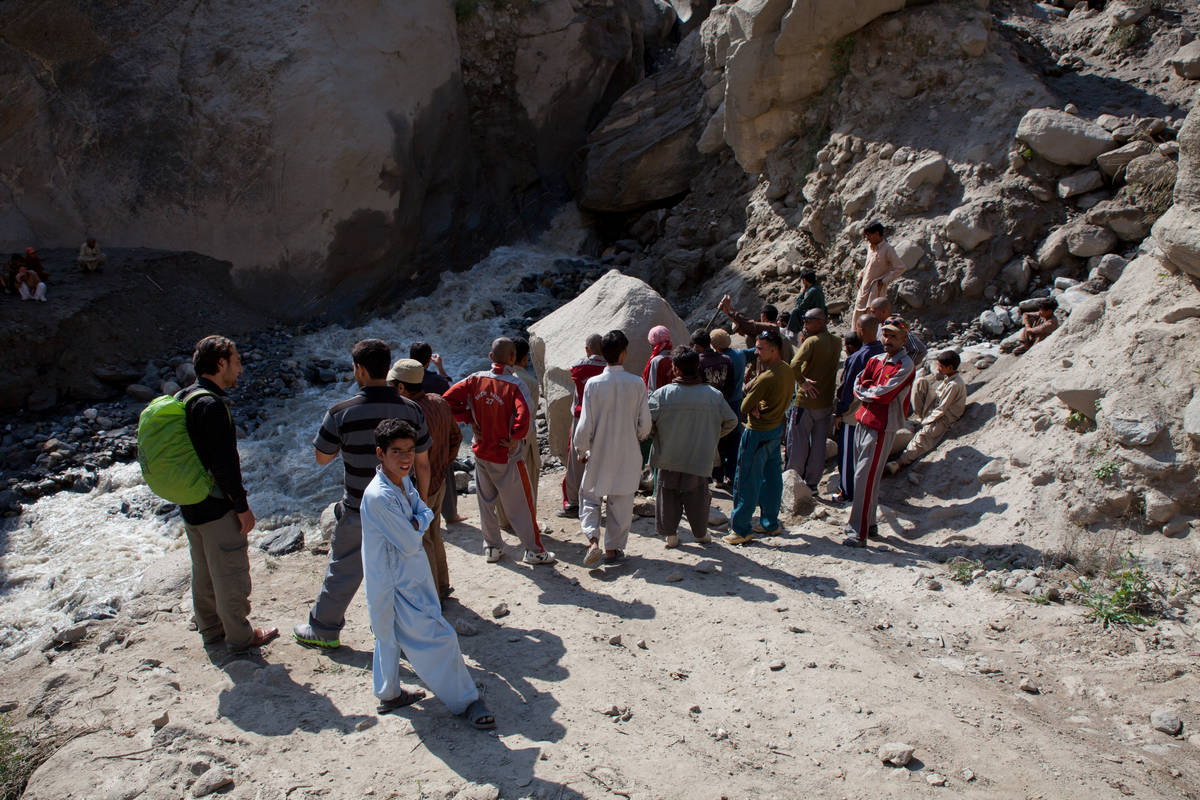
(402, 599)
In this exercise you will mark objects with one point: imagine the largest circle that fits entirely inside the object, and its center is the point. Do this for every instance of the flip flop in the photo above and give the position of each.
(619, 558)
(478, 715)
(405, 698)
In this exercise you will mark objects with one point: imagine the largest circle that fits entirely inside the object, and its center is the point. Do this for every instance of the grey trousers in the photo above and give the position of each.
(220, 581)
(507, 484)
(678, 494)
(574, 472)
(870, 455)
(618, 522)
(342, 576)
(806, 437)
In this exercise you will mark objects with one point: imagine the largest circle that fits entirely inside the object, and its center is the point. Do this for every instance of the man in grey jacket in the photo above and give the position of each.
(688, 417)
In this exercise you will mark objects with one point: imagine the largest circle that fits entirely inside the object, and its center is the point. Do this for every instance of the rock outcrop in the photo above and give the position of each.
(1178, 231)
(615, 302)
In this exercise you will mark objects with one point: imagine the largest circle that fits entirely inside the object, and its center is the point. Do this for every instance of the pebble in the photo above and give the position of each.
(1167, 721)
(721, 734)
(934, 779)
(706, 567)
(896, 753)
(213, 779)
(777, 665)
(615, 640)
(161, 721)
(933, 585)
(501, 610)
(641, 644)
(694, 710)
(364, 724)
(674, 577)
(795, 629)
(968, 775)
(1028, 686)
(464, 627)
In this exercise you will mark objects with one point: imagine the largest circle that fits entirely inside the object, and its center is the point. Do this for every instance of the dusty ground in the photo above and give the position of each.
(773, 670)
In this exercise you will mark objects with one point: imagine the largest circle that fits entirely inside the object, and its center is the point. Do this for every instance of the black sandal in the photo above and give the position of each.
(405, 698)
(478, 715)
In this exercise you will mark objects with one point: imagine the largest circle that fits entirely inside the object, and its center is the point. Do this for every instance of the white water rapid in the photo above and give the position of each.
(71, 551)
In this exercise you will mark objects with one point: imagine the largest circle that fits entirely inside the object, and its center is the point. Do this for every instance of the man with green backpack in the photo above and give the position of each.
(187, 447)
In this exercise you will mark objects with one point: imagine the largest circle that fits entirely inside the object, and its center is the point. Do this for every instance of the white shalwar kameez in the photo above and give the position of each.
(614, 419)
(402, 599)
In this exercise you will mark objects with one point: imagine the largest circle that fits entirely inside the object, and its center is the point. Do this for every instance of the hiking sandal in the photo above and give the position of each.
(478, 715)
(405, 698)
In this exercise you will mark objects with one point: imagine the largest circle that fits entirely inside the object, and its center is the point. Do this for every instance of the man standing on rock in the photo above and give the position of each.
(688, 417)
(759, 481)
(614, 419)
(883, 266)
(405, 376)
(867, 328)
(497, 406)
(881, 307)
(402, 600)
(349, 428)
(582, 371)
(533, 458)
(218, 525)
(938, 400)
(815, 368)
(882, 387)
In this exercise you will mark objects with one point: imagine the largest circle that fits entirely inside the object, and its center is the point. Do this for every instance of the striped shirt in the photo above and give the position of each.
(349, 426)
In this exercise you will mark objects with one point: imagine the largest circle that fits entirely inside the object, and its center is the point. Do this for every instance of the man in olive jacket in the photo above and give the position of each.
(688, 417)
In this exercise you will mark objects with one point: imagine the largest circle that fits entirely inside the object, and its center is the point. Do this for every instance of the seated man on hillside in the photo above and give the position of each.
(1038, 325)
(91, 258)
(938, 401)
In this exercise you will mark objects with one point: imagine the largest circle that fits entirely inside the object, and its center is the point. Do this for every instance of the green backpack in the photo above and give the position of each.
(168, 460)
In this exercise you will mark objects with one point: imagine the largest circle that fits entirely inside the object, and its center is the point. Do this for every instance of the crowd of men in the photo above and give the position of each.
(702, 415)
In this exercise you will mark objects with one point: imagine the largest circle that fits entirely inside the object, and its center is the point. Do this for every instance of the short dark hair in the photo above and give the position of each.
(785, 317)
(949, 358)
(420, 351)
(389, 430)
(874, 227)
(770, 312)
(415, 388)
(209, 351)
(809, 275)
(853, 341)
(374, 356)
(612, 345)
(1047, 304)
(700, 337)
(686, 361)
(772, 337)
(522, 346)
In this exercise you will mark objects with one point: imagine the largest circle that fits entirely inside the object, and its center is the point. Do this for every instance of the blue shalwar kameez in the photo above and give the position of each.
(402, 599)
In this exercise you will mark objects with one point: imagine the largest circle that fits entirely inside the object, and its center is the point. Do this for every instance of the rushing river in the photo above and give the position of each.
(71, 552)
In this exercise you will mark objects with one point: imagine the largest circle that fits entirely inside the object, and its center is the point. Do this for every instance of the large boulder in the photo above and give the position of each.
(1063, 138)
(615, 302)
(1178, 231)
(1186, 61)
(776, 54)
(644, 151)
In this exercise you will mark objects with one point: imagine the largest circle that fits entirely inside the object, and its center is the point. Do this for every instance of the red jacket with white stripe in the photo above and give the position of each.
(581, 372)
(495, 403)
(882, 387)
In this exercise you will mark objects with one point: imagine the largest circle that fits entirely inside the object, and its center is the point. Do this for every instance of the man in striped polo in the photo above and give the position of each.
(349, 428)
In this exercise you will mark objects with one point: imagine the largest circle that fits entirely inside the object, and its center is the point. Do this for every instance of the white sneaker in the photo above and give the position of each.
(492, 554)
(544, 557)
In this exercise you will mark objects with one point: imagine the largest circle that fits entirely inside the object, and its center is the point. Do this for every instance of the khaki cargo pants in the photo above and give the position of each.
(221, 581)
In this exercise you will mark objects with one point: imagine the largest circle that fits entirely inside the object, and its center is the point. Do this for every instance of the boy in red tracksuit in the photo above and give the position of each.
(582, 371)
(882, 387)
(497, 405)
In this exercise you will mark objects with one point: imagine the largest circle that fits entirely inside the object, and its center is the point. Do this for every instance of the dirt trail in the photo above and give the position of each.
(801, 657)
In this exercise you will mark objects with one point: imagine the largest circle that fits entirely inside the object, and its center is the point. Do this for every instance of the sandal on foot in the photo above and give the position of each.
(405, 698)
(261, 636)
(478, 715)
(617, 557)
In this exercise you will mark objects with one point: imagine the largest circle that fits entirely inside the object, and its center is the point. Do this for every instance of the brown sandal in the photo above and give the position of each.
(261, 636)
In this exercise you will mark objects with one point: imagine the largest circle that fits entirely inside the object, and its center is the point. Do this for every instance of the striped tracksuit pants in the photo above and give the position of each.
(871, 448)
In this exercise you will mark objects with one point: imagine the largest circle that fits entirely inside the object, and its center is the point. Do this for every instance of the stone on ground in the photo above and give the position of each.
(1063, 138)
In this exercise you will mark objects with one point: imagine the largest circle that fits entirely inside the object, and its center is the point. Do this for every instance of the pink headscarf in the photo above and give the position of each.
(659, 335)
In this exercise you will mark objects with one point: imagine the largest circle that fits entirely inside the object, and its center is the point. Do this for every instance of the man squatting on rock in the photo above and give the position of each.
(218, 525)
(882, 387)
(402, 598)
(938, 400)
(497, 406)
(688, 417)
(614, 419)
(349, 428)
(588, 367)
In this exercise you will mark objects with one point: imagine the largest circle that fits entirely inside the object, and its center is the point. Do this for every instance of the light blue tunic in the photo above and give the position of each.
(402, 599)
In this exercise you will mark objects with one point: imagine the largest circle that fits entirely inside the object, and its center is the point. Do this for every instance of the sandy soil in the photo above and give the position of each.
(773, 670)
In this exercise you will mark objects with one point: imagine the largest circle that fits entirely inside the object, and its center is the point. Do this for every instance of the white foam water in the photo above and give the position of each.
(70, 551)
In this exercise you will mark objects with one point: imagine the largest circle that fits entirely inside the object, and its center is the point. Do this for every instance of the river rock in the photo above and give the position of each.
(1063, 138)
(972, 39)
(1167, 721)
(897, 754)
(1053, 249)
(1186, 61)
(615, 301)
(1133, 427)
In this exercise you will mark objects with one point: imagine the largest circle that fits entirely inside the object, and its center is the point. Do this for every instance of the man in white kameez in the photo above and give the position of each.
(402, 598)
(614, 419)
(883, 267)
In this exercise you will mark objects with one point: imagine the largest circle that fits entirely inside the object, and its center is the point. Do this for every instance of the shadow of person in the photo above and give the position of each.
(557, 589)
(264, 699)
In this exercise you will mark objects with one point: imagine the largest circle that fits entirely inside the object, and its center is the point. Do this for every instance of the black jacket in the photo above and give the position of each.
(210, 427)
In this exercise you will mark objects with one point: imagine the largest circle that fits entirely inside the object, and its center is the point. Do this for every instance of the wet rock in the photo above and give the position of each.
(1167, 721)
(896, 753)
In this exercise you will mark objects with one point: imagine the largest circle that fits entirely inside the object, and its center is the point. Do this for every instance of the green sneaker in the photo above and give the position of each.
(305, 635)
